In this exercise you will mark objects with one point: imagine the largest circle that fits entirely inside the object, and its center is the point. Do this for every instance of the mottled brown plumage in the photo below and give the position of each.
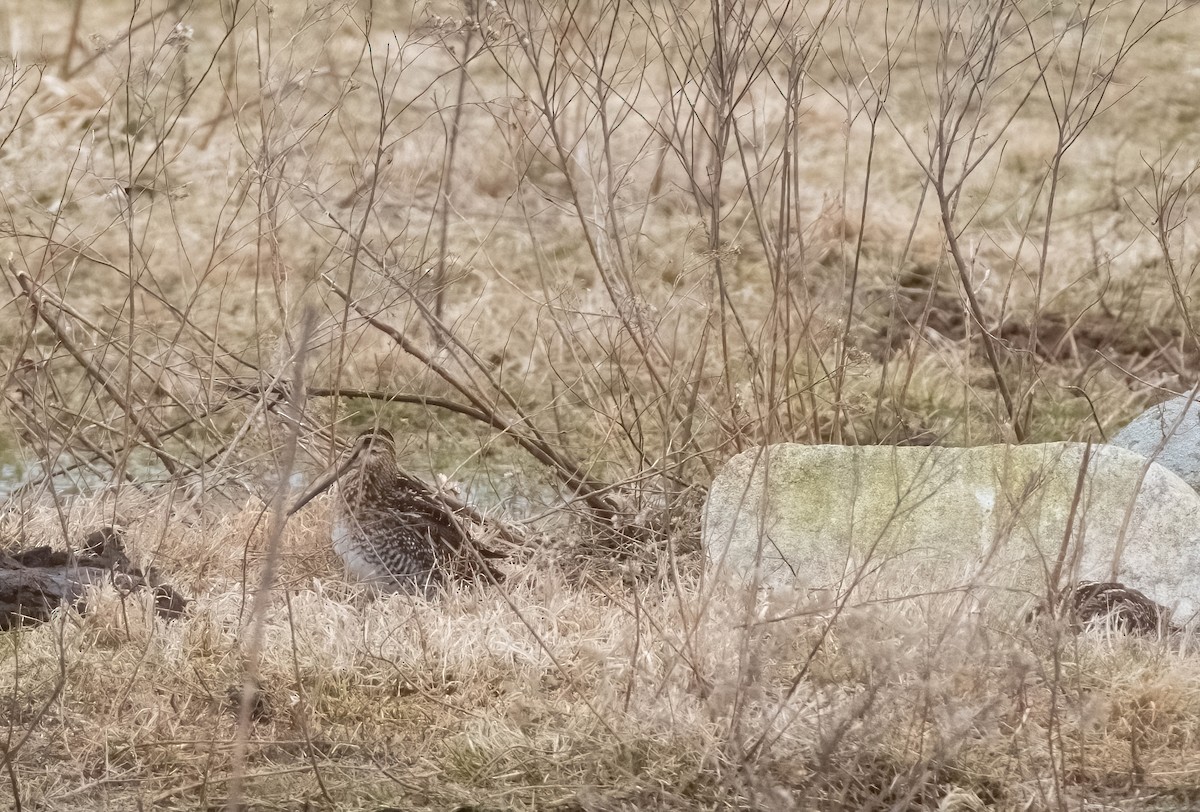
(1123, 607)
(1092, 604)
(392, 530)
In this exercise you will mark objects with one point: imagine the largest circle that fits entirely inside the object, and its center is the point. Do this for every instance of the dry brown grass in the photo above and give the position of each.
(184, 196)
(557, 694)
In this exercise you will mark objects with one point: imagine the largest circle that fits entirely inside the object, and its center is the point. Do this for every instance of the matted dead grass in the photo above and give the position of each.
(586, 693)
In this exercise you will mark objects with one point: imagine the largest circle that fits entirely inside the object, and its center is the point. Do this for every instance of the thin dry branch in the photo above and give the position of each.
(135, 414)
(572, 473)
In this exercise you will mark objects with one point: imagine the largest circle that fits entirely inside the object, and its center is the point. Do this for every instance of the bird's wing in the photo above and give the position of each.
(430, 515)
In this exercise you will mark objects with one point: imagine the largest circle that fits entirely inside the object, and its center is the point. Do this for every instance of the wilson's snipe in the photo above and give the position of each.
(1125, 608)
(391, 529)
(1112, 604)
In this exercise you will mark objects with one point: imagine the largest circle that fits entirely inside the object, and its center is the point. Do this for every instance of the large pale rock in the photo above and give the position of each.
(1160, 434)
(988, 523)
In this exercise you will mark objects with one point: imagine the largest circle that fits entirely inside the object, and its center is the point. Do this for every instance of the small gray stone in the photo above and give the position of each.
(1150, 434)
(988, 523)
